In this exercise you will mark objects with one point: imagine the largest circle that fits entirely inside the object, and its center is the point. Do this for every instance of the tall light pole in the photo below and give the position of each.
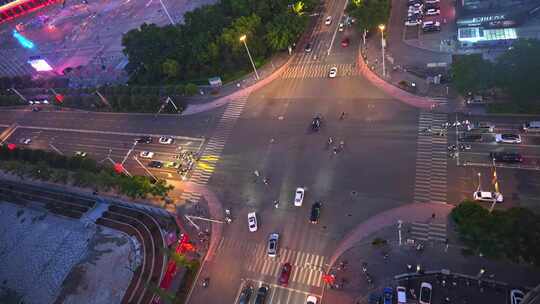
(166, 12)
(382, 27)
(243, 39)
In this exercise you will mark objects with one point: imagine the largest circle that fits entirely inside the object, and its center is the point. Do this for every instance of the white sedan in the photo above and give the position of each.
(508, 138)
(433, 12)
(299, 196)
(25, 141)
(328, 20)
(311, 300)
(486, 196)
(146, 154)
(252, 221)
(333, 72)
(166, 140)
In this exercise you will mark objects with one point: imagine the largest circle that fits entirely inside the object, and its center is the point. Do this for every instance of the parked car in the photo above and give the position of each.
(433, 12)
(506, 157)
(170, 164)
(80, 154)
(252, 221)
(333, 72)
(516, 296)
(481, 127)
(432, 6)
(328, 20)
(144, 140)
(508, 138)
(285, 274)
(374, 298)
(388, 295)
(146, 154)
(432, 1)
(431, 26)
(155, 164)
(273, 240)
(164, 140)
(299, 196)
(315, 213)
(261, 294)
(486, 196)
(413, 22)
(311, 300)
(425, 293)
(245, 295)
(25, 141)
(401, 295)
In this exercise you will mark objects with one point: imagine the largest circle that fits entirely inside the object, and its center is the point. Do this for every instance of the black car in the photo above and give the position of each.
(471, 138)
(315, 213)
(245, 295)
(155, 164)
(506, 157)
(316, 123)
(432, 6)
(308, 47)
(144, 140)
(261, 295)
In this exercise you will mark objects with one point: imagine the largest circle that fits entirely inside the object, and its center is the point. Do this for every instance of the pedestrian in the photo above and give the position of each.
(342, 116)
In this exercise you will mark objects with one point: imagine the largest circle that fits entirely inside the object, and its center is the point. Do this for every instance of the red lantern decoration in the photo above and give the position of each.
(59, 98)
(11, 147)
(118, 168)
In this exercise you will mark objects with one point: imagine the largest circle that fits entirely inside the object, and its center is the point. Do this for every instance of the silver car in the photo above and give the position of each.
(273, 240)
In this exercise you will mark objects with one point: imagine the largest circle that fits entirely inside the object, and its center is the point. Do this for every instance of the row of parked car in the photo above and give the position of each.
(418, 9)
(401, 293)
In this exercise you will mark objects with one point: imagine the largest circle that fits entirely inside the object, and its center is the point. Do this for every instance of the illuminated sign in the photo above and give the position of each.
(23, 40)
(39, 64)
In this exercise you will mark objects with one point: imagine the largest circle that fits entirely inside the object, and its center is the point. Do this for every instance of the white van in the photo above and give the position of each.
(401, 295)
(532, 126)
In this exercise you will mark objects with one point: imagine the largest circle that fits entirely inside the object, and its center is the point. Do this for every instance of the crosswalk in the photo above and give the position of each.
(429, 231)
(440, 100)
(214, 147)
(431, 159)
(307, 268)
(316, 70)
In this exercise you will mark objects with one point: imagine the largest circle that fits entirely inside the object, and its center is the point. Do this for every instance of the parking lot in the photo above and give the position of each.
(454, 288)
(171, 160)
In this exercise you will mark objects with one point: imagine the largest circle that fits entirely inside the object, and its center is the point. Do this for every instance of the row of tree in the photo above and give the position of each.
(516, 72)
(208, 42)
(77, 171)
(369, 14)
(511, 234)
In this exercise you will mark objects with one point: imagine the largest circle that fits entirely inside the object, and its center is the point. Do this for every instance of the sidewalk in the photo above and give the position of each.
(356, 249)
(242, 87)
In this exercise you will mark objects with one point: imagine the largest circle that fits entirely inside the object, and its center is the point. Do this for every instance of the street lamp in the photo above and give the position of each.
(382, 27)
(243, 39)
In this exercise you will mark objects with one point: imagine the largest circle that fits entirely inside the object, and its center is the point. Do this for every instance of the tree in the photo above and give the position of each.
(283, 31)
(298, 8)
(246, 25)
(369, 14)
(191, 89)
(517, 71)
(471, 73)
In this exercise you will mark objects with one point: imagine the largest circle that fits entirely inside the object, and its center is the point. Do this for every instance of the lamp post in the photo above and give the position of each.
(382, 27)
(243, 39)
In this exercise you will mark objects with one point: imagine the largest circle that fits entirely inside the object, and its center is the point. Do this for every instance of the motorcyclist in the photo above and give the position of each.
(206, 282)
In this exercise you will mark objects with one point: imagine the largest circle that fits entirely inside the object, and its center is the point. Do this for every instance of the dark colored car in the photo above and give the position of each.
(374, 298)
(144, 140)
(316, 123)
(315, 213)
(285, 274)
(261, 294)
(155, 164)
(388, 295)
(245, 295)
(506, 157)
(308, 47)
(471, 138)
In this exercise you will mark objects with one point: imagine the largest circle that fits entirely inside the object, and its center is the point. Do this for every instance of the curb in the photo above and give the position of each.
(195, 109)
(390, 89)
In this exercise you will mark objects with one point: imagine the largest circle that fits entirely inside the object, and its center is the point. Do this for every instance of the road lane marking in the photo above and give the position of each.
(275, 286)
(106, 132)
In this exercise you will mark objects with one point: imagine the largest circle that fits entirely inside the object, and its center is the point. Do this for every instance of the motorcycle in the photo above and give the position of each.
(206, 282)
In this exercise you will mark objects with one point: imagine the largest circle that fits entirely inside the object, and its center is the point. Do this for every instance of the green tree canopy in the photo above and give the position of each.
(369, 14)
(472, 73)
